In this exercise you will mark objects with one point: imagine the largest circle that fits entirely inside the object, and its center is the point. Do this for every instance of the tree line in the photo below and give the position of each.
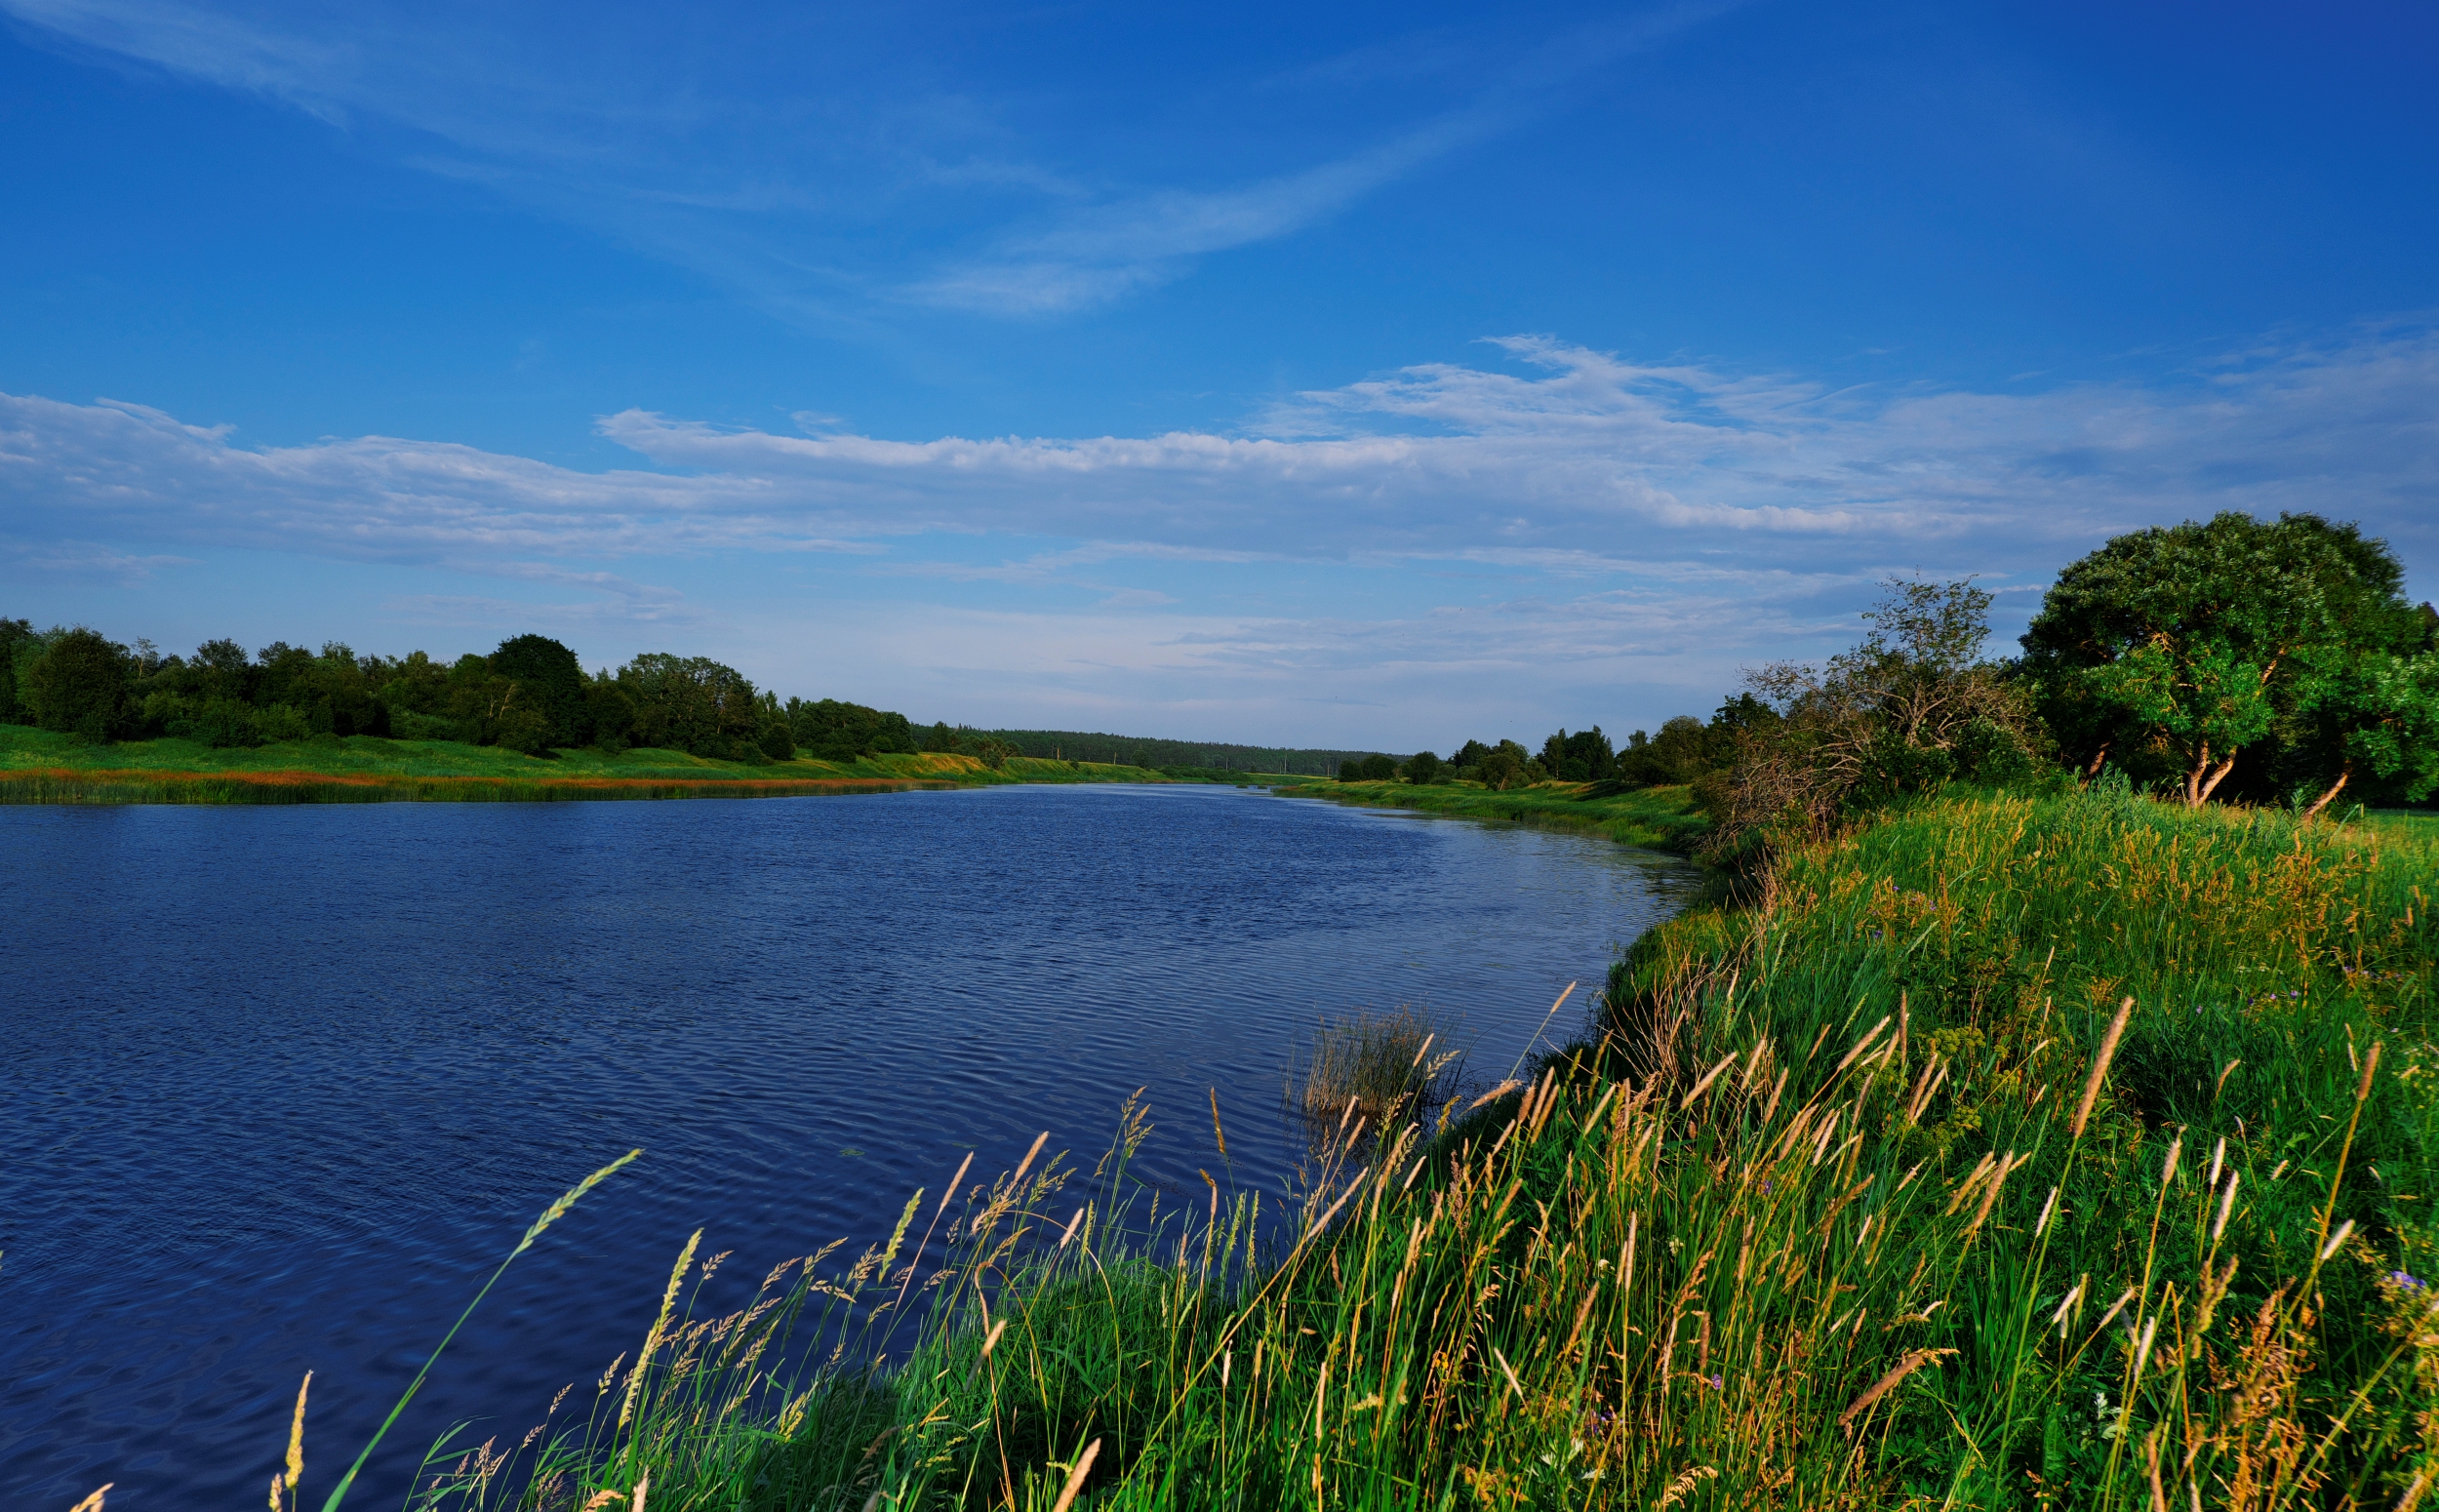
(2229, 659)
(1144, 751)
(531, 694)
(1683, 751)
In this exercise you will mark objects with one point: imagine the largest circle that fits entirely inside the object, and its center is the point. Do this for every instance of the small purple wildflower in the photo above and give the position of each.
(2408, 1279)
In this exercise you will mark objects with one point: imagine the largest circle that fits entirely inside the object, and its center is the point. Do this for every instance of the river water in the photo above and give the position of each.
(278, 1087)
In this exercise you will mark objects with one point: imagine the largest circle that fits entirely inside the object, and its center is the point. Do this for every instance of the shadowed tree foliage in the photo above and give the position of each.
(80, 684)
(1582, 757)
(1425, 767)
(16, 636)
(222, 669)
(415, 684)
(693, 704)
(1504, 766)
(778, 740)
(610, 713)
(832, 729)
(550, 682)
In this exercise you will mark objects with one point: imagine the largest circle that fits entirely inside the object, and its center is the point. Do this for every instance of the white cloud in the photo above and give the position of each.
(1579, 538)
(87, 559)
(1580, 463)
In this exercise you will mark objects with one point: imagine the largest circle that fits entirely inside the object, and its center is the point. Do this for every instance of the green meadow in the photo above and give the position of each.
(39, 765)
(2007, 1151)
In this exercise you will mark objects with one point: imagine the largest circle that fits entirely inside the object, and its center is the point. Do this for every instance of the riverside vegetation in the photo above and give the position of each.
(1996, 1137)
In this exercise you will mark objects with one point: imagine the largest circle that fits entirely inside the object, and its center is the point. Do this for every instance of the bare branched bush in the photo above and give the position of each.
(1908, 709)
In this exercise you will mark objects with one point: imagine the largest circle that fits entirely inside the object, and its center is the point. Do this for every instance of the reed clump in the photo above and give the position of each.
(1377, 1067)
(2009, 1154)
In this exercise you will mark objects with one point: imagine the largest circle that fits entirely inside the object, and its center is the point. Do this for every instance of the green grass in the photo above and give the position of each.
(1653, 817)
(40, 767)
(1864, 1197)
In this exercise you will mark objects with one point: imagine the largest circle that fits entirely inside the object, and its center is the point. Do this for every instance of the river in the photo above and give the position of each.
(281, 1084)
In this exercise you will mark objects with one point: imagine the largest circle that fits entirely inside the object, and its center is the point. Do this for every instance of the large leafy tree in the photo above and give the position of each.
(692, 703)
(2184, 647)
(1585, 756)
(551, 682)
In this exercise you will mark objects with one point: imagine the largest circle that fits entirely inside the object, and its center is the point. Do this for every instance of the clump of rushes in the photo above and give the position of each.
(1919, 1213)
(1375, 1067)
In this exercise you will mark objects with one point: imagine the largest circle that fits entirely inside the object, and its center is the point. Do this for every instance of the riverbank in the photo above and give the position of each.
(2009, 1152)
(39, 767)
(1656, 818)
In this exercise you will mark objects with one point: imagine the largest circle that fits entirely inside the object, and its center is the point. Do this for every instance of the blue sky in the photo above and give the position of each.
(1348, 376)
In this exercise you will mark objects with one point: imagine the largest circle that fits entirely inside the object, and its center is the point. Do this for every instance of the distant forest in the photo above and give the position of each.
(530, 695)
(1146, 751)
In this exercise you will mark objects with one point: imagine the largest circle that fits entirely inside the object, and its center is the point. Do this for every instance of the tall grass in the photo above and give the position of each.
(2007, 1153)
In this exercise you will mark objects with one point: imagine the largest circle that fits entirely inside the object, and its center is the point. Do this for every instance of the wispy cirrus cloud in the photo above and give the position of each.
(793, 178)
(90, 559)
(1105, 249)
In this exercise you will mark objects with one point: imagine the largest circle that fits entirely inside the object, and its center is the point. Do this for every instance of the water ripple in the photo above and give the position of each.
(286, 1082)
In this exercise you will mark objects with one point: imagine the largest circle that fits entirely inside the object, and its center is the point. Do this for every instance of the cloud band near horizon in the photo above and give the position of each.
(1430, 461)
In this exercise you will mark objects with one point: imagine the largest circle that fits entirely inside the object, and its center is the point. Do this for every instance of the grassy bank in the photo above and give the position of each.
(40, 767)
(2009, 1152)
(1654, 817)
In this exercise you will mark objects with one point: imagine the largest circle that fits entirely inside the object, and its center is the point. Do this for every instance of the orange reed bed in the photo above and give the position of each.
(67, 785)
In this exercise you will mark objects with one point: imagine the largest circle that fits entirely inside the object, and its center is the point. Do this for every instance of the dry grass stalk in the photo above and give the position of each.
(2099, 1066)
(1914, 1361)
(1075, 1477)
(652, 1339)
(295, 1472)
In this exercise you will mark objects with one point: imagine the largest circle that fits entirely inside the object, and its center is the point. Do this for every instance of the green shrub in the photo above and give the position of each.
(281, 721)
(525, 731)
(225, 723)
